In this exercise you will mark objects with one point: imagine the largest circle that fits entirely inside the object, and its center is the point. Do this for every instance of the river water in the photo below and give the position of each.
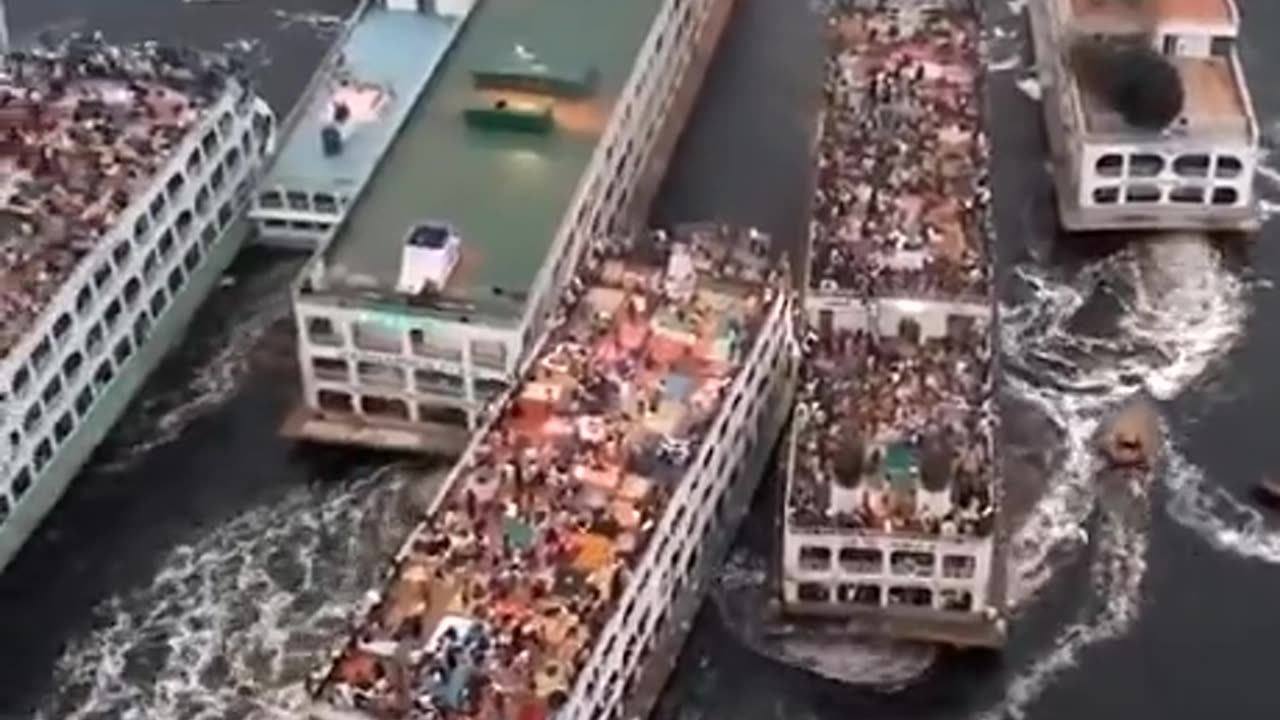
(198, 562)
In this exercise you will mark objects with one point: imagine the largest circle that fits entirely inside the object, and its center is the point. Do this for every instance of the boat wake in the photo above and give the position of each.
(162, 417)
(1150, 318)
(1217, 516)
(233, 622)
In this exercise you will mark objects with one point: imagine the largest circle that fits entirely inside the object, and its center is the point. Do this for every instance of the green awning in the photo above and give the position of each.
(524, 72)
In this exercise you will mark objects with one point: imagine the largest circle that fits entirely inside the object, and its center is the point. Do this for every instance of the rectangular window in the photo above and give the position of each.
(84, 401)
(175, 280)
(157, 302)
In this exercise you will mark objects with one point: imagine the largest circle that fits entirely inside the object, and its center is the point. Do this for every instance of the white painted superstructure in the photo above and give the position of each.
(1196, 173)
(394, 370)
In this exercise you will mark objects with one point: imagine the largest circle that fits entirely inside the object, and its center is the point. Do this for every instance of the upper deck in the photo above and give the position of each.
(1195, 37)
(83, 131)
(1213, 102)
(377, 80)
(894, 425)
(901, 159)
(499, 596)
(504, 191)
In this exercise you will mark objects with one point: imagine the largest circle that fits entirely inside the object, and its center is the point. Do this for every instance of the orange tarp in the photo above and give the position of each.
(594, 552)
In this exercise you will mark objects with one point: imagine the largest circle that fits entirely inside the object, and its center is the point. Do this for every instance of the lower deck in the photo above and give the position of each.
(1075, 216)
(347, 428)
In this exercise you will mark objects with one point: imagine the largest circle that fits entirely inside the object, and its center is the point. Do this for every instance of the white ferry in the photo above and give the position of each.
(525, 137)
(560, 565)
(1148, 114)
(124, 169)
(890, 521)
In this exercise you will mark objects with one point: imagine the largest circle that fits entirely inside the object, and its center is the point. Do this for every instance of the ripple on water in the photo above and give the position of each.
(1154, 316)
(232, 623)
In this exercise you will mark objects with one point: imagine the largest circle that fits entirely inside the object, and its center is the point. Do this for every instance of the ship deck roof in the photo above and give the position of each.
(505, 192)
(84, 132)
(1214, 101)
(533, 537)
(379, 81)
(1121, 14)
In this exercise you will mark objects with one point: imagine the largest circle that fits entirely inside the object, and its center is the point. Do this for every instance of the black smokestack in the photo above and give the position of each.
(1132, 78)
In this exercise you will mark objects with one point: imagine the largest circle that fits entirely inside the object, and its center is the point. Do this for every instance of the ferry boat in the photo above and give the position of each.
(124, 169)
(561, 563)
(890, 514)
(1149, 118)
(529, 138)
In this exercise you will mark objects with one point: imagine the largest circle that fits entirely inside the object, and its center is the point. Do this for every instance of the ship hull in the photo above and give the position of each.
(657, 669)
(49, 485)
(670, 641)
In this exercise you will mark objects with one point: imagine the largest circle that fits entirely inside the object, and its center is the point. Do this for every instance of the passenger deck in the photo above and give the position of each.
(890, 509)
(901, 180)
(84, 132)
(503, 593)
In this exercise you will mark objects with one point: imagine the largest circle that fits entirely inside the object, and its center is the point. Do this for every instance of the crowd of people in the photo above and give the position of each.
(904, 426)
(902, 197)
(528, 553)
(83, 128)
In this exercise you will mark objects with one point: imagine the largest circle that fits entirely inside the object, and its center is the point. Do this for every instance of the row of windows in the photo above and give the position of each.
(66, 423)
(302, 226)
(124, 249)
(1140, 193)
(320, 202)
(389, 408)
(872, 595)
(380, 338)
(1149, 165)
(116, 309)
(394, 377)
(129, 299)
(871, 561)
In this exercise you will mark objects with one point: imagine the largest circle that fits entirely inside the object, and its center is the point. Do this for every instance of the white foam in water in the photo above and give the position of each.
(233, 622)
(1183, 311)
(216, 379)
(1117, 572)
(1217, 516)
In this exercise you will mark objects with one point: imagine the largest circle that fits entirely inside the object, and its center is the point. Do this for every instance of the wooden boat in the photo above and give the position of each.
(1130, 439)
